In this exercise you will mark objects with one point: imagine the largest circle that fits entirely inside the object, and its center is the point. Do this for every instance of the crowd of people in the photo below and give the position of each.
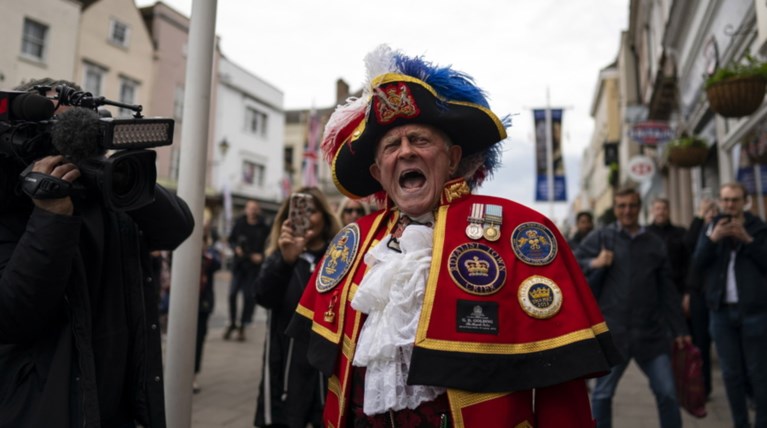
(704, 284)
(414, 302)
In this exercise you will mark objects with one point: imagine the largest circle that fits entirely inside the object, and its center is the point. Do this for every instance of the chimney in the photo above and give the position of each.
(342, 91)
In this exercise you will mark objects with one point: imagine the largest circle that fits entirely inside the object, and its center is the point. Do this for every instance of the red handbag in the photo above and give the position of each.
(688, 376)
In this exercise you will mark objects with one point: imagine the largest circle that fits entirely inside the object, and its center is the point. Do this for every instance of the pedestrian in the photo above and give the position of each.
(211, 263)
(79, 337)
(584, 224)
(247, 239)
(673, 237)
(640, 304)
(732, 256)
(693, 301)
(350, 210)
(291, 390)
(444, 308)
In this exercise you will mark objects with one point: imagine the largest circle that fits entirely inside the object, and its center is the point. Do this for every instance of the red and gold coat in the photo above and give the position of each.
(532, 330)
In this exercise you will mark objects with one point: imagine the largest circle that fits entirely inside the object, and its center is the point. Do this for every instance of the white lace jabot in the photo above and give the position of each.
(391, 293)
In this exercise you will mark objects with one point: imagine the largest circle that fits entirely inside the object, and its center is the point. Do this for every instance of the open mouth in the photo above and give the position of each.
(412, 179)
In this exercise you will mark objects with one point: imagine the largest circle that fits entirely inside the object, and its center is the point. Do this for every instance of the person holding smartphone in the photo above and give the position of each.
(291, 390)
(731, 254)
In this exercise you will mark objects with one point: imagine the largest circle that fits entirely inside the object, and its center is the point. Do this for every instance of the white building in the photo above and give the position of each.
(250, 132)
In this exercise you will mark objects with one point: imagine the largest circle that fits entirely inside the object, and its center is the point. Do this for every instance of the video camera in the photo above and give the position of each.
(29, 130)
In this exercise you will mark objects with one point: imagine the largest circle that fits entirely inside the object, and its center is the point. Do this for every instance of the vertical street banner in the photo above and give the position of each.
(542, 161)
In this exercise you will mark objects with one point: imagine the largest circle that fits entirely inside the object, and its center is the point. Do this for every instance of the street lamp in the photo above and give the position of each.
(223, 146)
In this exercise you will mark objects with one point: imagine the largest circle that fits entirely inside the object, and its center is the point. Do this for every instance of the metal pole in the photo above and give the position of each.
(185, 273)
(549, 156)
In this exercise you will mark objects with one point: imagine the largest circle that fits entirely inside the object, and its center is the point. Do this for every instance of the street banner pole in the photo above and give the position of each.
(185, 271)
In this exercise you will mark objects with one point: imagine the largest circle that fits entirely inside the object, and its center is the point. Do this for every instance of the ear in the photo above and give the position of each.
(375, 171)
(454, 153)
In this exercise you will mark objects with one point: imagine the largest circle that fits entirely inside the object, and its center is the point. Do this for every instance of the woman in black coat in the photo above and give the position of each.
(291, 393)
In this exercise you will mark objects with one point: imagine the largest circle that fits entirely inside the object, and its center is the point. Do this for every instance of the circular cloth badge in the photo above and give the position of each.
(540, 297)
(534, 244)
(338, 258)
(477, 268)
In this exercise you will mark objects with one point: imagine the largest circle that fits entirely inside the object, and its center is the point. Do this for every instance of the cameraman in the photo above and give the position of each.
(79, 337)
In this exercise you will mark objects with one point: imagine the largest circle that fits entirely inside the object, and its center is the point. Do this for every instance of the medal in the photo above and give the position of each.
(491, 227)
(474, 229)
(491, 232)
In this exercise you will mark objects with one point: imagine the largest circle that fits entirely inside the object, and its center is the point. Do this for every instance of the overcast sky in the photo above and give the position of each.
(514, 49)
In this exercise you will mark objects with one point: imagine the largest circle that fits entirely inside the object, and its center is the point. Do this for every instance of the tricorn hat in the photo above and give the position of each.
(404, 90)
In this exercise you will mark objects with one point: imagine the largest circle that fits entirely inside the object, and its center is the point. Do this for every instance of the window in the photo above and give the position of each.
(288, 159)
(33, 40)
(128, 89)
(253, 173)
(94, 77)
(178, 103)
(119, 33)
(255, 121)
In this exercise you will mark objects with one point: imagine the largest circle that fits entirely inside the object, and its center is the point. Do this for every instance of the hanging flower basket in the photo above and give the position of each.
(687, 152)
(736, 97)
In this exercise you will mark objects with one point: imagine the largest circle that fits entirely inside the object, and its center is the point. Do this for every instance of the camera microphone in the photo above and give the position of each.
(25, 106)
(77, 134)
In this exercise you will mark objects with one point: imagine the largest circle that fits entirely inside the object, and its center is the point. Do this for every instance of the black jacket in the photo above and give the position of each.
(294, 389)
(79, 339)
(252, 239)
(712, 259)
(638, 300)
(678, 253)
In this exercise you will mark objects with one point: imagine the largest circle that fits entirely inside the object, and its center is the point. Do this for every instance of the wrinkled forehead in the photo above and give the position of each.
(412, 129)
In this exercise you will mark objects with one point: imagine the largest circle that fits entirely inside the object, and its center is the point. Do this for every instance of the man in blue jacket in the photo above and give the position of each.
(732, 255)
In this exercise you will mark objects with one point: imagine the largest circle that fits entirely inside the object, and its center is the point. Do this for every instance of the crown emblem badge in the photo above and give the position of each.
(394, 101)
(477, 269)
(540, 297)
(338, 258)
(534, 244)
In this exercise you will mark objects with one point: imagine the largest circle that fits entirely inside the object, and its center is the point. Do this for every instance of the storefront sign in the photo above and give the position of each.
(640, 168)
(651, 133)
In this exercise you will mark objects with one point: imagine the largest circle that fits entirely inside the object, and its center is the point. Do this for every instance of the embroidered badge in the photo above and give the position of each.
(477, 268)
(534, 244)
(394, 101)
(338, 258)
(540, 297)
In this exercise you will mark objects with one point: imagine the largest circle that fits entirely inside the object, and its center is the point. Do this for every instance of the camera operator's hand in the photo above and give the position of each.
(58, 167)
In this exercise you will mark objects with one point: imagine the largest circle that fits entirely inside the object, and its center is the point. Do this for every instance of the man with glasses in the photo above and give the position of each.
(640, 304)
(732, 255)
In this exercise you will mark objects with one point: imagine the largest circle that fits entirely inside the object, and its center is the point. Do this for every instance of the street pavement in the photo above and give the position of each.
(231, 372)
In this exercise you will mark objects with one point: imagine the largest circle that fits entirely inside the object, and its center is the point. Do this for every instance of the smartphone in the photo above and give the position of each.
(727, 217)
(299, 211)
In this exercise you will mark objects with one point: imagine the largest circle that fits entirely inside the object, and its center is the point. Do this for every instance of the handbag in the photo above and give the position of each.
(688, 377)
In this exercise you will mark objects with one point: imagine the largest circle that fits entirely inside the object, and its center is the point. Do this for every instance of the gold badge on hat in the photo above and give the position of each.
(540, 297)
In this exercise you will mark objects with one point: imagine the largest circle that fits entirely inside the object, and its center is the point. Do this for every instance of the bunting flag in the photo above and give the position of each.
(309, 165)
(541, 156)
